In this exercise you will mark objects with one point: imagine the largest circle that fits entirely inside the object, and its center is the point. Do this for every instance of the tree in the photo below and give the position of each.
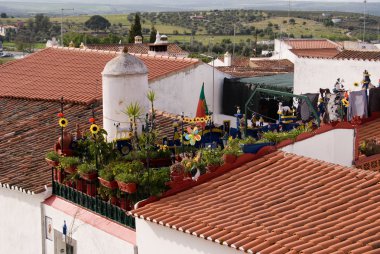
(153, 33)
(3, 15)
(135, 29)
(97, 22)
(292, 21)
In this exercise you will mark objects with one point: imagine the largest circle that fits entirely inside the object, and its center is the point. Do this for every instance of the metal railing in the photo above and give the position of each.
(94, 204)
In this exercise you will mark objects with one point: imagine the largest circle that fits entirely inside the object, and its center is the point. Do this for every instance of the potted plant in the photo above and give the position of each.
(212, 158)
(52, 158)
(107, 175)
(108, 195)
(231, 151)
(88, 171)
(154, 182)
(128, 178)
(177, 172)
(69, 164)
(250, 145)
(369, 147)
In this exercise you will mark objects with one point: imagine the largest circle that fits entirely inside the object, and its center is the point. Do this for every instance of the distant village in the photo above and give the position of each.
(140, 147)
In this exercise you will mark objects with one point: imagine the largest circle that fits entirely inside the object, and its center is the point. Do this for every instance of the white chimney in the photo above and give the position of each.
(125, 81)
(138, 39)
(227, 59)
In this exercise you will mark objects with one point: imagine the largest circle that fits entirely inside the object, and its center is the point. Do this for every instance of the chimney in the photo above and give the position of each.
(227, 59)
(160, 46)
(138, 39)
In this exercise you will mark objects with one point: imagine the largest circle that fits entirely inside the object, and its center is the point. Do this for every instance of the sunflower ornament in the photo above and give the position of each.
(192, 135)
(345, 103)
(63, 122)
(94, 129)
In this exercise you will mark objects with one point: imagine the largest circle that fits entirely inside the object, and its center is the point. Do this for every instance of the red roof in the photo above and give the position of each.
(369, 130)
(72, 73)
(359, 55)
(280, 203)
(311, 44)
(322, 53)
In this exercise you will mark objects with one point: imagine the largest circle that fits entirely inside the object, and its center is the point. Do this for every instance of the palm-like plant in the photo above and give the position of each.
(151, 96)
(134, 112)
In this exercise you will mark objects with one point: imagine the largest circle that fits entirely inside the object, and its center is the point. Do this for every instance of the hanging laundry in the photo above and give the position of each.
(332, 107)
(374, 100)
(358, 104)
(305, 111)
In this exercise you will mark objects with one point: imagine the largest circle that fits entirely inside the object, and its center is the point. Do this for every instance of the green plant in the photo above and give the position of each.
(53, 156)
(212, 157)
(107, 173)
(134, 112)
(86, 168)
(67, 162)
(106, 193)
(127, 177)
(154, 181)
(248, 141)
(128, 172)
(232, 147)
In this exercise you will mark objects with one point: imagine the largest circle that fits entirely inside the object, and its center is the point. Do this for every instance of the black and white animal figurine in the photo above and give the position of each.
(121, 132)
(283, 110)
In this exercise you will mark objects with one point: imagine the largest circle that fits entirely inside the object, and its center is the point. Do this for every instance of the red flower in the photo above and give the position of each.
(92, 120)
(60, 114)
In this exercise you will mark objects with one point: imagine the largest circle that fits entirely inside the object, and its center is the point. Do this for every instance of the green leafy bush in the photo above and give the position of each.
(67, 162)
(53, 156)
(212, 157)
(86, 168)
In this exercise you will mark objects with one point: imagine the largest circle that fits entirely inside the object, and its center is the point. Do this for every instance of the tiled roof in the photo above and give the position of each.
(280, 203)
(359, 55)
(369, 130)
(259, 68)
(72, 73)
(237, 61)
(322, 53)
(29, 129)
(311, 44)
(139, 48)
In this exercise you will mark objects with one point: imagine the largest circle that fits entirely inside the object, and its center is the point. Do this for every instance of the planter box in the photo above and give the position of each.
(127, 187)
(81, 185)
(52, 163)
(70, 170)
(177, 177)
(369, 163)
(212, 168)
(91, 189)
(254, 148)
(90, 176)
(109, 184)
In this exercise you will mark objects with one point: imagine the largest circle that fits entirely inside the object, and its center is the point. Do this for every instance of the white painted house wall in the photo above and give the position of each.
(180, 92)
(310, 74)
(335, 146)
(153, 238)
(20, 222)
(281, 51)
(89, 240)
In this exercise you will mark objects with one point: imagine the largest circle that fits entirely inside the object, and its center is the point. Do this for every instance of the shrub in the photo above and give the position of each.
(53, 156)
(67, 162)
(86, 168)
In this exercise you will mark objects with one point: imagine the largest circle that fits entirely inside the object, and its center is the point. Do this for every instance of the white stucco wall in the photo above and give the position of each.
(20, 222)
(180, 92)
(89, 240)
(153, 238)
(335, 146)
(281, 51)
(118, 93)
(312, 74)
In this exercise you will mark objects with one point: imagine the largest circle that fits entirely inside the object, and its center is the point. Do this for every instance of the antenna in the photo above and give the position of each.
(365, 10)
(62, 23)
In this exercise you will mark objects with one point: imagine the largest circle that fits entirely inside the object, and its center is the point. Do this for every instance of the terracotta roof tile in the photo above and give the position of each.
(72, 73)
(281, 203)
(311, 44)
(318, 53)
(359, 55)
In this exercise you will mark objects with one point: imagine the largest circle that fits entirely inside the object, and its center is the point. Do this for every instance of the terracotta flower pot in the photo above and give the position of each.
(52, 163)
(177, 176)
(114, 200)
(229, 158)
(89, 176)
(71, 170)
(109, 184)
(91, 189)
(127, 187)
(58, 175)
(81, 185)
